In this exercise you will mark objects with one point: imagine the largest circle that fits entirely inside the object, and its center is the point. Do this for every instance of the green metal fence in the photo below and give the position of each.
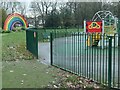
(32, 41)
(99, 62)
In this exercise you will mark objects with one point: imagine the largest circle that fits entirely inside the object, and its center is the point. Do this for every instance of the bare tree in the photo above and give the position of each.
(34, 12)
(9, 6)
(42, 8)
(12, 7)
(4, 5)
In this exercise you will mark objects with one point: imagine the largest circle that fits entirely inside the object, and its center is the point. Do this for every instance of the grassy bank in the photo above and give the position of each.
(13, 47)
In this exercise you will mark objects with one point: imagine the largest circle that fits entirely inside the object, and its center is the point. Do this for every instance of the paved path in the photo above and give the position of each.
(44, 52)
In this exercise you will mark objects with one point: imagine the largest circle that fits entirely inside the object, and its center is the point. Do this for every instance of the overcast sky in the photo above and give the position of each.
(70, 0)
(27, 2)
(60, 0)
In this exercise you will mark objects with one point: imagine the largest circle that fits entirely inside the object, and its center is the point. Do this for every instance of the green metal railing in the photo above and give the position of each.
(96, 60)
(32, 41)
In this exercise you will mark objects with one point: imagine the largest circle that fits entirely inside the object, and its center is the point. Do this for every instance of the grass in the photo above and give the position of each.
(13, 46)
(26, 74)
(0, 46)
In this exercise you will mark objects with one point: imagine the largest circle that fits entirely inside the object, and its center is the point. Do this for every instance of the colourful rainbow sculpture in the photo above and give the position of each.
(14, 18)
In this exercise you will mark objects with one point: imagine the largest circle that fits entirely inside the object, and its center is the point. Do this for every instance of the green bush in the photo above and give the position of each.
(18, 29)
(0, 30)
(3, 31)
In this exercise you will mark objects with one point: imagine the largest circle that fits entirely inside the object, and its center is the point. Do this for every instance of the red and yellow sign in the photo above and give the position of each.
(92, 26)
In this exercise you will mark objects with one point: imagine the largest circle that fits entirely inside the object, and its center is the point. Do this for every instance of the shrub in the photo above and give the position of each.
(6, 31)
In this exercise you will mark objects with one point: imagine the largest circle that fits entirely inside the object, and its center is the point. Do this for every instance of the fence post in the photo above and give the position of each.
(51, 50)
(118, 33)
(119, 51)
(109, 61)
(26, 39)
(37, 44)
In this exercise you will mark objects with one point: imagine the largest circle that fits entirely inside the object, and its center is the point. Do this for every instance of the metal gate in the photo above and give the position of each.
(32, 41)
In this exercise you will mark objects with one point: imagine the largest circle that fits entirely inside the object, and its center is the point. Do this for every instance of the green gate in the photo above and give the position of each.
(32, 41)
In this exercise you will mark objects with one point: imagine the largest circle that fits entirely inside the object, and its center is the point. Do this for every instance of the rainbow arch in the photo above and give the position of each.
(14, 18)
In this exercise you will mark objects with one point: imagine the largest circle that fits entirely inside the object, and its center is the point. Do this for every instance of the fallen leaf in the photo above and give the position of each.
(55, 86)
(67, 75)
(22, 81)
(24, 74)
(80, 81)
(11, 71)
(69, 83)
(84, 86)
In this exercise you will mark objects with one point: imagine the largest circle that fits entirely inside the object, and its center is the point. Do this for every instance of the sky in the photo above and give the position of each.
(27, 2)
